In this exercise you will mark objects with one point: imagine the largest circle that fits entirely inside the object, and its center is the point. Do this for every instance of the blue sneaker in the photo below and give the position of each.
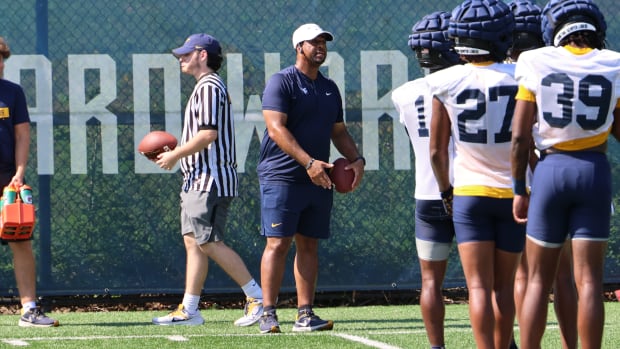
(268, 323)
(307, 321)
(36, 318)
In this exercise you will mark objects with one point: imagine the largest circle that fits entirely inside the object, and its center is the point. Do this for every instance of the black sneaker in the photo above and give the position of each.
(268, 323)
(307, 321)
(36, 318)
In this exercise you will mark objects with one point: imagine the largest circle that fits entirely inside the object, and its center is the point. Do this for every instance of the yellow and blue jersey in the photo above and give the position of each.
(413, 102)
(479, 99)
(576, 92)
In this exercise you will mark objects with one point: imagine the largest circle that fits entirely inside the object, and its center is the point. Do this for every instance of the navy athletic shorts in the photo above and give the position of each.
(287, 209)
(571, 196)
(481, 218)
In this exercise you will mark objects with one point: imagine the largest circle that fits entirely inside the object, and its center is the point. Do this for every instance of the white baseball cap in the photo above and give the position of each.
(309, 31)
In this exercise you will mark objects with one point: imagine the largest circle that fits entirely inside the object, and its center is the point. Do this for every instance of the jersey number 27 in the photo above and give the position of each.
(495, 96)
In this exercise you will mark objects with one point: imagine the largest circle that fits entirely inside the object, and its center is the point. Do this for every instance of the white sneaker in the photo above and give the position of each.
(180, 316)
(251, 313)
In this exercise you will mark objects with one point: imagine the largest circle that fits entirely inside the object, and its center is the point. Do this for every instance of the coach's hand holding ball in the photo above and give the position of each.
(343, 174)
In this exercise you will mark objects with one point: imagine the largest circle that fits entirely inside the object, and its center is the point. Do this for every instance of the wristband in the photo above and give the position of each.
(360, 158)
(447, 197)
(518, 187)
(447, 193)
(310, 164)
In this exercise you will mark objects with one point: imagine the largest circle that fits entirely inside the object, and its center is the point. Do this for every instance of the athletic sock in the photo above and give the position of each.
(29, 305)
(304, 309)
(190, 303)
(252, 290)
(270, 309)
(438, 347)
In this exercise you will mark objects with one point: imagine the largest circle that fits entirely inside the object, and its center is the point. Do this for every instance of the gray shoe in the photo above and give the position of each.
(268, 323)
(307, 321)
(36, 318)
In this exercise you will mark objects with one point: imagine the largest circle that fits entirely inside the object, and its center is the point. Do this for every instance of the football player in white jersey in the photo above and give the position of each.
(434, 230)
(527, 36)
(568, 103)
(474, 104)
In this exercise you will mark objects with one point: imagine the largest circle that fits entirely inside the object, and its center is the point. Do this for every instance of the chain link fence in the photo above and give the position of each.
(99, 74)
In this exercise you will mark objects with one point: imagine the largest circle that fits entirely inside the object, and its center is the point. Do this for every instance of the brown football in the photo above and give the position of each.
(342, 179)
(155, 143)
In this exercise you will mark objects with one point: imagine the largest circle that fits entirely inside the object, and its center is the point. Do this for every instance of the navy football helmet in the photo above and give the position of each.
(557, 15)
(482, 27)
(527, 34)
(429, 40)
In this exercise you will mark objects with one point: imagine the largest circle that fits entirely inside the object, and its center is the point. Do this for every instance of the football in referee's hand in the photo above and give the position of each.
(155, 143)
(342, 179)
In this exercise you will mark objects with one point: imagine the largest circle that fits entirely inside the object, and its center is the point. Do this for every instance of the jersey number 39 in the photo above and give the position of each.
(564, 89)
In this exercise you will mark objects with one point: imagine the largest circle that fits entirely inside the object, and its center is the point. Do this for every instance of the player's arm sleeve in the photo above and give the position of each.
(526, 76)
(437, 85)
(394, 96)
(525, 95)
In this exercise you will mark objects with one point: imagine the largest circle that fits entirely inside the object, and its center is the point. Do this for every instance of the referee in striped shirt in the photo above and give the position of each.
(207, 157)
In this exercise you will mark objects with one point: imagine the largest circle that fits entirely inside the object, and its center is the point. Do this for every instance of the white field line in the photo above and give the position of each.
(86, 338)
(21, 342)
(178, 338)
(366, 341)
(16, 342)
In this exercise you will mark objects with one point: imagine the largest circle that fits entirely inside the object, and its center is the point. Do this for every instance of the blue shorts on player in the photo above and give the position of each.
(434, 230)
(571, 196)
(481, 218)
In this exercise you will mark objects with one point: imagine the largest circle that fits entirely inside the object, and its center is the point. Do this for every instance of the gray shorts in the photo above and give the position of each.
(204, 214)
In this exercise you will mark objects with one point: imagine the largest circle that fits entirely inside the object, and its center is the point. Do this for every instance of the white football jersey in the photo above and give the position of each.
(575, 94)
(413, 101)
(480, 102)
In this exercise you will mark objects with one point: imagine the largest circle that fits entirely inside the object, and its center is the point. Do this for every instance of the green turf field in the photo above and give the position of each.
(355, 327)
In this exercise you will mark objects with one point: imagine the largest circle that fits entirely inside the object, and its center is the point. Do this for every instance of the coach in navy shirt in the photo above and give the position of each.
(303, 112)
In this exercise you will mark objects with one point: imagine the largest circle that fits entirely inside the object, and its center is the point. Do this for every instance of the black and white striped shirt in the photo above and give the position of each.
(209, 108)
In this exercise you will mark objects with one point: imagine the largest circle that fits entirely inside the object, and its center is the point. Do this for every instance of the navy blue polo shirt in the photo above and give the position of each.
(13, 111)
(312, 108)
